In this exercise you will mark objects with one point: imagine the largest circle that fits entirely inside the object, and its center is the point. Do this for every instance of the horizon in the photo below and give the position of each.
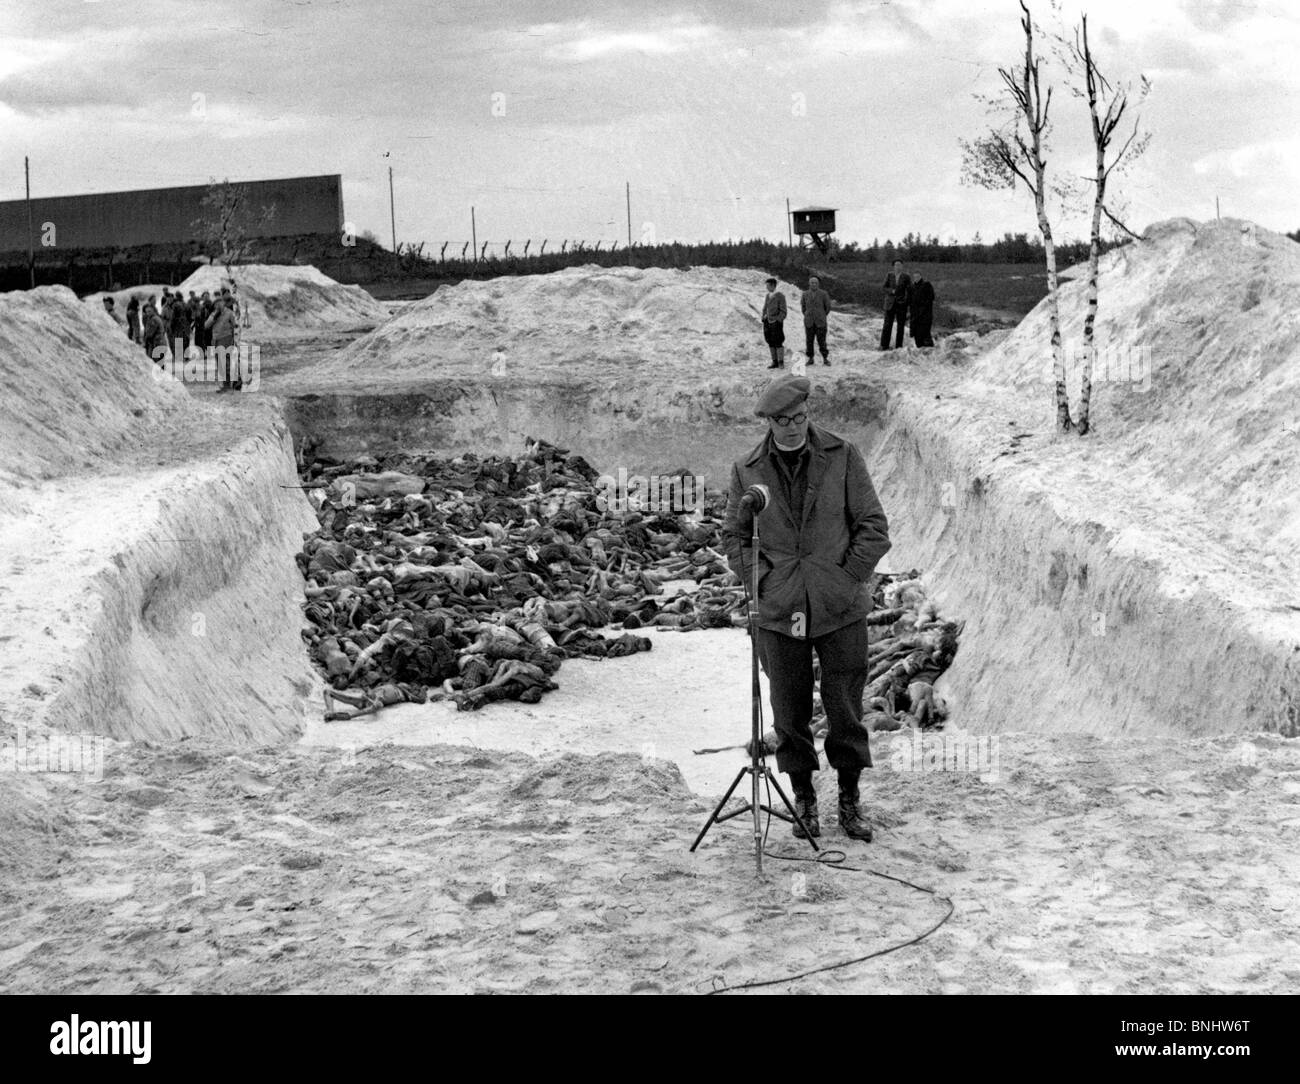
(714, 112)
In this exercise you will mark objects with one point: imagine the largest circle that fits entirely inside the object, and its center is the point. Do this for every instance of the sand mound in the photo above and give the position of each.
(122, 298)
(1199, 370)
(133, 518)
(291, 300)
(622, 316)
(78, 394)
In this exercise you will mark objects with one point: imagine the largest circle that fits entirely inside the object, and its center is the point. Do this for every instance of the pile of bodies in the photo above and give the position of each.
(472, 579)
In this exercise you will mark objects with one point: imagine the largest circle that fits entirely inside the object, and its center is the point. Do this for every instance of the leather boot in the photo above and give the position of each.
(852, 821)
(805, 804)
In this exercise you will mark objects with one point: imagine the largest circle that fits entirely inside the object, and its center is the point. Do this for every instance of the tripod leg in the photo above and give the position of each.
(714, 815)
(771, 775)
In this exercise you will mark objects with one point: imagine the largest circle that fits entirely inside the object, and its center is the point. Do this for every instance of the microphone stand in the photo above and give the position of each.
(757, 767)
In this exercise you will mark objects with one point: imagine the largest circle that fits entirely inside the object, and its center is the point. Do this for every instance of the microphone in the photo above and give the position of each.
(756, 498)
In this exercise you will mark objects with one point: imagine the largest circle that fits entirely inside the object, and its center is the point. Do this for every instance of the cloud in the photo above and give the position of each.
(589, 43)
(855, 29)
(1269, 158)
(18, 55)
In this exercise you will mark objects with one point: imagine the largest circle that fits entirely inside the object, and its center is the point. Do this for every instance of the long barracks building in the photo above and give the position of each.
(149, 216)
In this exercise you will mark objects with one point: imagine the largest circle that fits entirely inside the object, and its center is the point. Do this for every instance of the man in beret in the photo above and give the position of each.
(821, 534)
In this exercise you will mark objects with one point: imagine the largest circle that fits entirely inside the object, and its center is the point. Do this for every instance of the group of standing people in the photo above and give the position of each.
(207, 322)
(814, 303)
(907, 297)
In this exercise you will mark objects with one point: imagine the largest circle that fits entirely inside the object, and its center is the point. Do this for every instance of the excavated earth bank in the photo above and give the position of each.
(147, 542)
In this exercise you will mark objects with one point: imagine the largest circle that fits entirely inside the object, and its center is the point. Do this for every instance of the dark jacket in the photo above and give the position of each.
(182, 320)
(816, 306)
(153, 333)
(774, 310)
(221, 324)
(818, 568)
(920, 299)
(896, 290)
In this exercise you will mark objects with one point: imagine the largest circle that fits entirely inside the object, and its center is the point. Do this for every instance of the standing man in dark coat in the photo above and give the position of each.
(897, 283)
(774, 312)
(182, 326)
(816, 306)
(221, 325)
(153, 333)
(133, 319)
(202, 309)
(920, 303)
(821, 534)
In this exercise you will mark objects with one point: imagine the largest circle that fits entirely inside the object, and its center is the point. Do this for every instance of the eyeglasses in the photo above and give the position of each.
(791, 419)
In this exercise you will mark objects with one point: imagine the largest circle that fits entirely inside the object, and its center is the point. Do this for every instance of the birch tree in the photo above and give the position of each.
(1107, 104)
(229, 223)
(1017, 152)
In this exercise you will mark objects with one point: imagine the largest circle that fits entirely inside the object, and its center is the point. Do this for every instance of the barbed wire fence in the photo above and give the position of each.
(512, 248)
(461, 257)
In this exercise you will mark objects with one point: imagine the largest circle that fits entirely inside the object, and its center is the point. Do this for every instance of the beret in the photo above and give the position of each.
(784, 392)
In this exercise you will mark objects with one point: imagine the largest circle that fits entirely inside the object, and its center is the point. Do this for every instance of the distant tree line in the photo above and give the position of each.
(414, 261)
(1009, 248)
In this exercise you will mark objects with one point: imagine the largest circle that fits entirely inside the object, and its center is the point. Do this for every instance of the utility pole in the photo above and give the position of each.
(392, 213)
(31, 255)
(1216, 209)
(473, 229)
(789, 233)
(629, 214)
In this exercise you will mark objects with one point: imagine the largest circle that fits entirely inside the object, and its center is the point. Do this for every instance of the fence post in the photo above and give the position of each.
(543, 248)
(442, 256)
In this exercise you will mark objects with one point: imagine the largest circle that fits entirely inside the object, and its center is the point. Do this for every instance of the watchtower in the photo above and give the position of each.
(816, 223)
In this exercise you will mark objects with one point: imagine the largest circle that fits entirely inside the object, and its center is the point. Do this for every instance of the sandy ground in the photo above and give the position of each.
(545, 848)
(1084, 866)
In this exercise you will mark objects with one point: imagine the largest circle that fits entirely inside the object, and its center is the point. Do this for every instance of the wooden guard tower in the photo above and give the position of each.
(814, 223)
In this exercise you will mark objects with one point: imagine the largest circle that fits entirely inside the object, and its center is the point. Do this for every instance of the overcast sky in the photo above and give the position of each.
(537, 113)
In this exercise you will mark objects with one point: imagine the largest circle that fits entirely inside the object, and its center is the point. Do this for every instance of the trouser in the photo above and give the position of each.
(774, 336)
(921, 331)
(227, 355)
(818, 333)
(788, 664)
(891, 315)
